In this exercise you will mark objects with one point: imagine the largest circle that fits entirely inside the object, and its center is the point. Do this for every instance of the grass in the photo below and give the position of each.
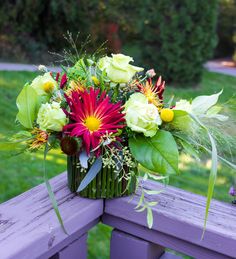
(21, 173)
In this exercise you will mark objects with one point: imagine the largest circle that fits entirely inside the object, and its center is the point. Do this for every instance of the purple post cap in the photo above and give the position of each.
(232, 191)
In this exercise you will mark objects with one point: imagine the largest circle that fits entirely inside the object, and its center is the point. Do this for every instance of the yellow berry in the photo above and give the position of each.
(167, 115)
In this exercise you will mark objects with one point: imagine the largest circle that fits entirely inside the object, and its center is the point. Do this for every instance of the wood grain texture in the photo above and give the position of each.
(178, 222)
(29, 227)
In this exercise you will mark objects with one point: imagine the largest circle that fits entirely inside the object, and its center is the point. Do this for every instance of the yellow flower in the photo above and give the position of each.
(74, 86)
(44, 85)
(48, 87)
(167, 115)
(95, 80)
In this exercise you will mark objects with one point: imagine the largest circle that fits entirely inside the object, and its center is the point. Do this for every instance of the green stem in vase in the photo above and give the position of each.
(99, 185)
(108, 195)
(94, 187)
(112, 182)
(103, 182)
(116, 186)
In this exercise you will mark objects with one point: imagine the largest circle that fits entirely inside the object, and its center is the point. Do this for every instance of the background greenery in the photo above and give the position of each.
(21, 173)
(176, 37)
(226, 28)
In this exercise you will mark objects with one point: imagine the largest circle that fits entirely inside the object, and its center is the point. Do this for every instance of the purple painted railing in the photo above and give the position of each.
(29, 228)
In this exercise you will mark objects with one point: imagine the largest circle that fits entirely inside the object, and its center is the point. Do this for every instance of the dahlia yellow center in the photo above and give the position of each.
(48, 87)
(92, 123)
(167, 115)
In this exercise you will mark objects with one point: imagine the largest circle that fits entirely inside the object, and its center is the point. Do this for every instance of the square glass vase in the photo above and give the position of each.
(107, 184)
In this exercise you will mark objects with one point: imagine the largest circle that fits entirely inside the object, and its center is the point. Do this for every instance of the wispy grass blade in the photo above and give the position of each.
(213, 173)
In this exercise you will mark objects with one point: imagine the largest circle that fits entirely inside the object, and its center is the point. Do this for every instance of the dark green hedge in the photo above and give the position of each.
(225, 28)
(174, 37)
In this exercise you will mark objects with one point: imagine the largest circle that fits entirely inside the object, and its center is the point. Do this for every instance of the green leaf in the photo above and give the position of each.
(153, 192)
(158, 154)
(152, 203)
(93, 171)
(27, 104)
(202, 103)
(140, 201)
(83, 159)
(50, 191)
(149, 217)
(141, 209)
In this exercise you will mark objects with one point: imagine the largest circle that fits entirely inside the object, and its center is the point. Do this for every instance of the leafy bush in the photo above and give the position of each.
(177, 36)
(225, 28)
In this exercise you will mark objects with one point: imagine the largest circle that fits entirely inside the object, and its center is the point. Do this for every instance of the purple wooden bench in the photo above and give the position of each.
(29, 228)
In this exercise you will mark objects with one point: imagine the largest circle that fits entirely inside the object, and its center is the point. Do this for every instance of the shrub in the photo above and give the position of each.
(225, 28)
(177, 36)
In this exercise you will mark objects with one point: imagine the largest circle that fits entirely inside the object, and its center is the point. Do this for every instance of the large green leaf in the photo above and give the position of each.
(158, 154)
(27, 104)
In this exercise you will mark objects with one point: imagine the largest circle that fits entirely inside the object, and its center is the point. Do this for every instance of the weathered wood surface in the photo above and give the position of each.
(29, 227)
(178, 222)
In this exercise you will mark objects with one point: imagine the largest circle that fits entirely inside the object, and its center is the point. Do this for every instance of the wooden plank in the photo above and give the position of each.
(126, 247)
(162, 239)
(29, 227)
(168, 255)
(178, 221)
(78, 249)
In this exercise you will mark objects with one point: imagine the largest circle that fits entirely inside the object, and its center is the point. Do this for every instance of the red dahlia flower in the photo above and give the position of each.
(92, 117)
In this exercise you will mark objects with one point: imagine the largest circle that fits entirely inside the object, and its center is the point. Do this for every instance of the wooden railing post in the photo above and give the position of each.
(75, 250)
(126, 246)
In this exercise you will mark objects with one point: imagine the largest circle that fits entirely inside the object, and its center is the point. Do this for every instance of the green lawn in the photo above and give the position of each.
(25, 171)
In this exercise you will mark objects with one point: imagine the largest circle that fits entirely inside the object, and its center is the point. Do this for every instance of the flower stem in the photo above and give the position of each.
(103, 183)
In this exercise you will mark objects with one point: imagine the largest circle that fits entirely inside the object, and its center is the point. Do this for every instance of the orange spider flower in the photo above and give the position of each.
(154, 93)
(41, 137)
(92, 116)
(74, 86)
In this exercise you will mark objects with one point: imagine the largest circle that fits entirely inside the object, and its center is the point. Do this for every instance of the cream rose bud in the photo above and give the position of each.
(44, 84)
(150, 73)
(142, 116)
(42, 68)
(51, 117)
(118, 68)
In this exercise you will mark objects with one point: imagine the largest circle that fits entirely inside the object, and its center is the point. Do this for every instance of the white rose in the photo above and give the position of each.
(118, 68)
(51, 117)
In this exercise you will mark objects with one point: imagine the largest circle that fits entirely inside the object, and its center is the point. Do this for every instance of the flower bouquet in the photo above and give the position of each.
(112, 121)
